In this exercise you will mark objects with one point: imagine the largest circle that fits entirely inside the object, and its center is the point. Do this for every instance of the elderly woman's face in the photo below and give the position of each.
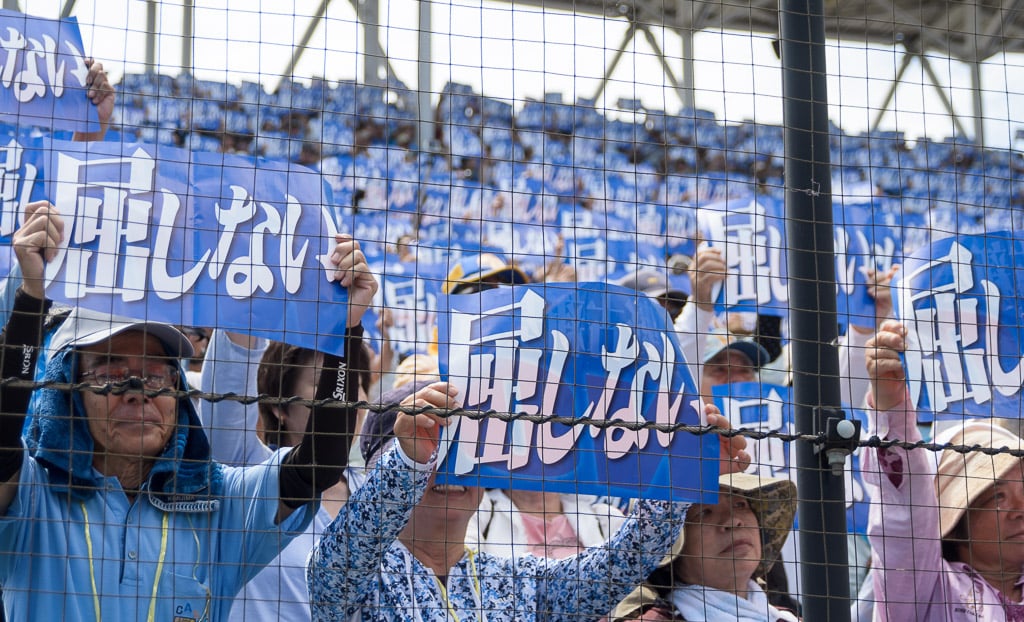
(132, 423)
(994, 532)
(721, 545)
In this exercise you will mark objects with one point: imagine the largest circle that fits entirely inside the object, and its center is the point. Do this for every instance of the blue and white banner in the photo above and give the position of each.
(411, 291)
(590, 351)
(862, 243)
(199, 239)
(376, 230)
(768, 408)
(43, 74)
(531, 246)
(681, 230)
(752, 236)
(960, 301)
(21, 169)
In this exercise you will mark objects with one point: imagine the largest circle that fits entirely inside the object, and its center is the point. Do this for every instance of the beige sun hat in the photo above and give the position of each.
(963, 477)
(773, 501)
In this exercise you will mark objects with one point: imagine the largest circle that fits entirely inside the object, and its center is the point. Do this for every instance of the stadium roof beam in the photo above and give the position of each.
(314, 23)
(912, 51)
(424, 68)
(151, 34)
(69, 6)
(374, 57)
(188, 20)
(970, 31)
(12, 5)
(684, 91)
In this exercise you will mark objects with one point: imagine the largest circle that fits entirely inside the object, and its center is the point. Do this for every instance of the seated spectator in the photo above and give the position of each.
(947, 540)
(119, 511)
(396, 550)
(729, 358)
(718, 564)
(512, 523)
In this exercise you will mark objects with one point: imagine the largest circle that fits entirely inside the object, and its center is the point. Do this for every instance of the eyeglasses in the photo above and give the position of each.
(154, 377)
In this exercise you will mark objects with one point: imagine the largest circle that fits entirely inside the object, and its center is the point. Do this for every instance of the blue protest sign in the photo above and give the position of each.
(43, 80)
(768, 408)
(853, 304)
(199, 239)
(21, 166)
(531, 246)
(531, 204)
(681, 230)
(752, 236)
(861, 244)
(410, 291)
(959, 299)
(591, 351)
(630, 248)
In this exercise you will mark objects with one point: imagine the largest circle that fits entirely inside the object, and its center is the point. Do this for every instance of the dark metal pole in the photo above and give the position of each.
(812, 290)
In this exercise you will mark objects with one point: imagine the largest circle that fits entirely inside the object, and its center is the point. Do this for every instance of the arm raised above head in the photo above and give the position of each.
(319, 460)
(34, 243)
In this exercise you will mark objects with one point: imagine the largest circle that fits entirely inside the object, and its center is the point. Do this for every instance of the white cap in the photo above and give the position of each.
(87, 328)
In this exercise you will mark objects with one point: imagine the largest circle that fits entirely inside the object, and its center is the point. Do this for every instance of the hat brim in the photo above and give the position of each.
(508, 274)
(754, 351)
(84, 328)
(962, 478)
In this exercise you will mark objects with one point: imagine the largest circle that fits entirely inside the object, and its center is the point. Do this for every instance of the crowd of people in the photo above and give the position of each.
(125, 497)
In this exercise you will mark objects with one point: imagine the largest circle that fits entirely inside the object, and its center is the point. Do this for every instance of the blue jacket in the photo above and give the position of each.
(74, 547)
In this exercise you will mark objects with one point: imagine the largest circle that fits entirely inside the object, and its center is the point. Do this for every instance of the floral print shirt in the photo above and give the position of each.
(360, 572)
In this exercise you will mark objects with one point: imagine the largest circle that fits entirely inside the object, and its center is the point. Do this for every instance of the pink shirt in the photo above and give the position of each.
(554, 538)
(912, 580)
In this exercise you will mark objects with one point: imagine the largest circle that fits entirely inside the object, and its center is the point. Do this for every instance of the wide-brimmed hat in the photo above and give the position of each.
(963, 477)
(773, 501)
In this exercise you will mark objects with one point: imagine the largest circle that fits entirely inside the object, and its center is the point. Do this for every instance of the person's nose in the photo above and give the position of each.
(135, 390)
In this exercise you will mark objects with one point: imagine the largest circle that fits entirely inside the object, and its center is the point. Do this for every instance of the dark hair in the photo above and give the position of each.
(275, 379)
(280, 366)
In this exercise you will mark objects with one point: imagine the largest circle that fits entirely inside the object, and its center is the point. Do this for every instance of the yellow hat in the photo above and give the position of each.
(476, 268)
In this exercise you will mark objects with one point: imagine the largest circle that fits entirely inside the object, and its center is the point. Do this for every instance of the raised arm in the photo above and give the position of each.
(318, 462)
(230, 367)
(102, 95)
(35, 243)
(903, 520)
(694, 323)
(345, 565)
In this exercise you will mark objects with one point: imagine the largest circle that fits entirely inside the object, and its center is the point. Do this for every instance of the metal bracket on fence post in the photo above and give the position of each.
(841, 437)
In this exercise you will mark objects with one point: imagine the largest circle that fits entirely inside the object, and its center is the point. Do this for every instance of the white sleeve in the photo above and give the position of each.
(692, 327)
(853, 375)
(231, 425)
